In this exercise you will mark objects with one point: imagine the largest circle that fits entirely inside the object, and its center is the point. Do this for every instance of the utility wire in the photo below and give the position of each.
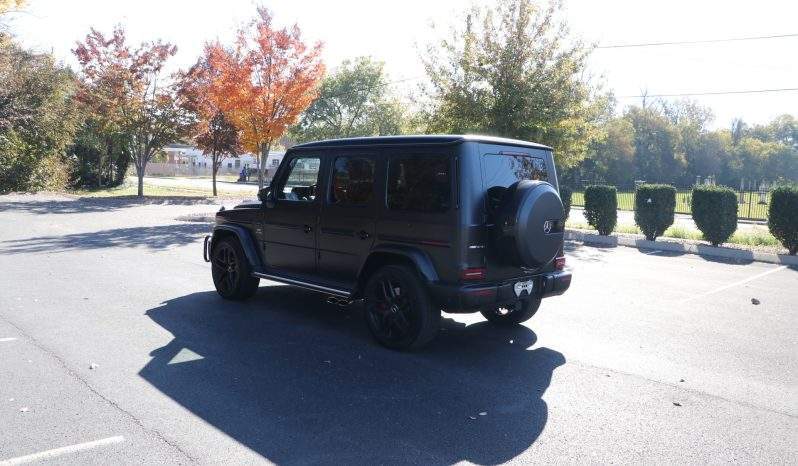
(692, 94)
(693, 42)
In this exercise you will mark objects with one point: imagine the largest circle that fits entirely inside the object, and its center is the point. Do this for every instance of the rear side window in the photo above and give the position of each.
(352, 181)
(419, 183)
(502, 170)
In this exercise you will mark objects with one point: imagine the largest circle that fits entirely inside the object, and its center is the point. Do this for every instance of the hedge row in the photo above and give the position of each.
(655, 205)
(783, 216)
(714, 211)
(566, 194)
(601, 208)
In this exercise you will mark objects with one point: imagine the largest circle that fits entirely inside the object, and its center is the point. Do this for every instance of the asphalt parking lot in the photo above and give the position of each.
(115, 349)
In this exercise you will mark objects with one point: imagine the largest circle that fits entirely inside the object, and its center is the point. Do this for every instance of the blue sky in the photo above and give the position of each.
(390, 31)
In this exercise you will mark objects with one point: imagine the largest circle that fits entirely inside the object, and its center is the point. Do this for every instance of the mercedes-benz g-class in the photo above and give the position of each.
(411, 226)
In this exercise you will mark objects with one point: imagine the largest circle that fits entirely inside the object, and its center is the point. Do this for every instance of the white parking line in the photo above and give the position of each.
(7, 339)
(48, 454)
(732, 285)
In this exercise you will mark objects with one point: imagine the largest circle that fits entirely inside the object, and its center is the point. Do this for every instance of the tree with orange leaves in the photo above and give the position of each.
(267, 80)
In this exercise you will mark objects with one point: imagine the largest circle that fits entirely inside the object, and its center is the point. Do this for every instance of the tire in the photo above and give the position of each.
(398, 309)
(521, 313)
(528, 224)
(232, 275)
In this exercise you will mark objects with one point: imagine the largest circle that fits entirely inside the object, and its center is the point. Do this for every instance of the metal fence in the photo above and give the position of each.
(751, 204)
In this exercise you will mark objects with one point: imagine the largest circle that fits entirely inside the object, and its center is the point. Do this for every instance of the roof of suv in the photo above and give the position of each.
(418, 140)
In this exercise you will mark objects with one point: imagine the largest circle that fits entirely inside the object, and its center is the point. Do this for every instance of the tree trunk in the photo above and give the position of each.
(215, 169)
(140, 174)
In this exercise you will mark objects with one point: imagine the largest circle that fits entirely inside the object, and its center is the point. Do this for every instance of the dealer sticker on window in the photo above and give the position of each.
(520, 287)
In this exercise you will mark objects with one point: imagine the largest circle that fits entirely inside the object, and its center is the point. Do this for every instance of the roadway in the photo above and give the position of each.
(115, 349)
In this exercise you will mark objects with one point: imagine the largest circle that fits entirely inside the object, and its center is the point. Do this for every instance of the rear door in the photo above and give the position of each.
(502, 166)
(420, 206)
(347, 223)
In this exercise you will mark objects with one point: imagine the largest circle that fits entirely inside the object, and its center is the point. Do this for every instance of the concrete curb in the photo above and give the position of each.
(686, 248)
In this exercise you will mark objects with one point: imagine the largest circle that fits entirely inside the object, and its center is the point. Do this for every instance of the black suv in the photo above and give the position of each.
(410, 225)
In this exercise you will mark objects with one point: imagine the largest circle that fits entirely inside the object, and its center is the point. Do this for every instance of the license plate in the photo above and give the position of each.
(521, 287)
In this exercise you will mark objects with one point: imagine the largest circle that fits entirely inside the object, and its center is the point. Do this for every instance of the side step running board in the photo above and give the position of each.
(305, 285)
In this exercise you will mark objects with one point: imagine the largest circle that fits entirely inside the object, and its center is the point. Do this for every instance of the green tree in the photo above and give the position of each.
(37, 119)
(657, 156)
(99, 154)
(783, 130)
(611, 160)
(513, 70)
(356, 100)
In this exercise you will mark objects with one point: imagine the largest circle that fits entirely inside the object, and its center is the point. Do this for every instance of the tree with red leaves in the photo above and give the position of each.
(123, 88)
(202, 95)
(220, 139)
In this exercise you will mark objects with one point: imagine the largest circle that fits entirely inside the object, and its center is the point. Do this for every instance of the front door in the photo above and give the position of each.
(289, 228)
(346, 229)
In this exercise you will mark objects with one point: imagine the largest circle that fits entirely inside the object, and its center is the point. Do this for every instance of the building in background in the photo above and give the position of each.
(187, 160)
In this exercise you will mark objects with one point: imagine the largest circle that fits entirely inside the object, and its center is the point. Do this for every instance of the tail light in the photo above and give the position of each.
(559, 263)
(474, 273)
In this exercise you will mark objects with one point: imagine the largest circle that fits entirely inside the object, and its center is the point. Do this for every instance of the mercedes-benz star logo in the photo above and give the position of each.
(547, 226)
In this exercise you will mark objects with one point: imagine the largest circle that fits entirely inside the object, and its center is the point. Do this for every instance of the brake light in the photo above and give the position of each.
(559, 263)
(474, 273)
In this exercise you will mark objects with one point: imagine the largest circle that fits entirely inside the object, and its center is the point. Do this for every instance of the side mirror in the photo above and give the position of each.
(266, 196)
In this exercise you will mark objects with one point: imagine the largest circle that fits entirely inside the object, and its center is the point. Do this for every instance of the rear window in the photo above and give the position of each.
(502, 170)
(419, 183)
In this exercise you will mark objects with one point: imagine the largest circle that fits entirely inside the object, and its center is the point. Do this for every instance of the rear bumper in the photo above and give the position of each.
(470, 298)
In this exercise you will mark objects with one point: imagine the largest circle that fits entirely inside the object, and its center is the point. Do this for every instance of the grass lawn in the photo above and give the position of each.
(747, 237)
(130, 188)
(750, 209)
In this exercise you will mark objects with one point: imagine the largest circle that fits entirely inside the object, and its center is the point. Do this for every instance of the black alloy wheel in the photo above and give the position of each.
(231, 271)
(398, 309)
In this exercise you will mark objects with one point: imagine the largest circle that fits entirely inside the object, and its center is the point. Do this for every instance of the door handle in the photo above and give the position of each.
(363, 234)
(307, 228)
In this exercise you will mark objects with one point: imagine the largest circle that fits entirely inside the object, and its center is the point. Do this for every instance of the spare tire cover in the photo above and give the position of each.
(528, 228)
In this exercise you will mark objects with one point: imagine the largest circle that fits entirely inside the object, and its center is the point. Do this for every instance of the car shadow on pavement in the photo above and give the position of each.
(85, 205)
(298, 380)
(155, 237)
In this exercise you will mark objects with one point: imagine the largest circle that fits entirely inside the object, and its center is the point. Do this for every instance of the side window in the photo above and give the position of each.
(303, 177)
(352, 181)
(419, 183)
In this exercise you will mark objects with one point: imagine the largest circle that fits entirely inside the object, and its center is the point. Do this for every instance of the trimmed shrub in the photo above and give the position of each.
(783, 216)
(565, 195)
(714, 212)
(601, 208)
(654, 208)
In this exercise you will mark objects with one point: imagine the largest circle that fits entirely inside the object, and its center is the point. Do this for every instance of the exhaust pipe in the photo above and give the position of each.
(338, 301)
